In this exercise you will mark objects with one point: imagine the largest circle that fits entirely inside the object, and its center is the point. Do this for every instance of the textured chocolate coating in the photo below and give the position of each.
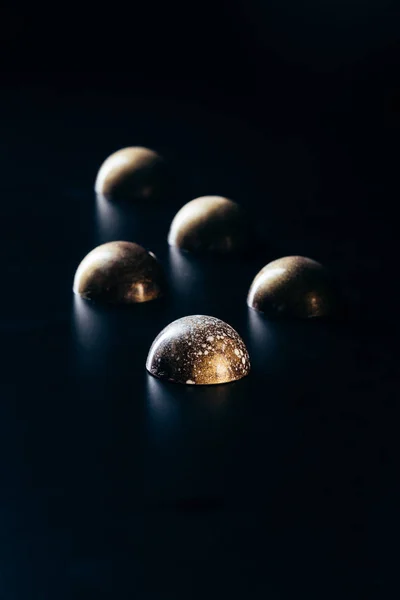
(133, 173)
(198, 350)
(119, 273)
(293, 286)
(210, 224)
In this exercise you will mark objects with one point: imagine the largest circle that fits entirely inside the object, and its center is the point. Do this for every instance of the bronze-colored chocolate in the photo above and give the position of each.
(293, 286)
(198, 350)
(133, 173)
(119, 273)
(210, 224)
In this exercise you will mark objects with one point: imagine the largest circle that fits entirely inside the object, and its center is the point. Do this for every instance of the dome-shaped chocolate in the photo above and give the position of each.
(198, 350)
(119, 273)
(293, 286)
(210, 224)
(133, 173)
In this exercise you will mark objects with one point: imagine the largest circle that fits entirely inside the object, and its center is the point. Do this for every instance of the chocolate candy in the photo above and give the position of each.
(119, 273)
(133, 173)
(210, 224)
(198, 350)
(293, 286)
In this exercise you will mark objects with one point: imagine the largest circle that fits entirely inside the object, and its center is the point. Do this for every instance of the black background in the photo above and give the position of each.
(284, 484)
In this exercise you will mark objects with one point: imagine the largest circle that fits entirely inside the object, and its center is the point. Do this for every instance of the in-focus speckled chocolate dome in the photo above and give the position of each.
(210, 224)
(198, 350)
(293, 286)
(119, 273)
(133, 173)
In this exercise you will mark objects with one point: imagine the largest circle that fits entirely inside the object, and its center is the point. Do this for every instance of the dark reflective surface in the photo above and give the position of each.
(113, 484)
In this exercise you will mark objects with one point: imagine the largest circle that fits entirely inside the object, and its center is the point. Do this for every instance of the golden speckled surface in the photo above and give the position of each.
(293, 286)
(133, 173)
(119, 273)
(210, 224)
(198, 350)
